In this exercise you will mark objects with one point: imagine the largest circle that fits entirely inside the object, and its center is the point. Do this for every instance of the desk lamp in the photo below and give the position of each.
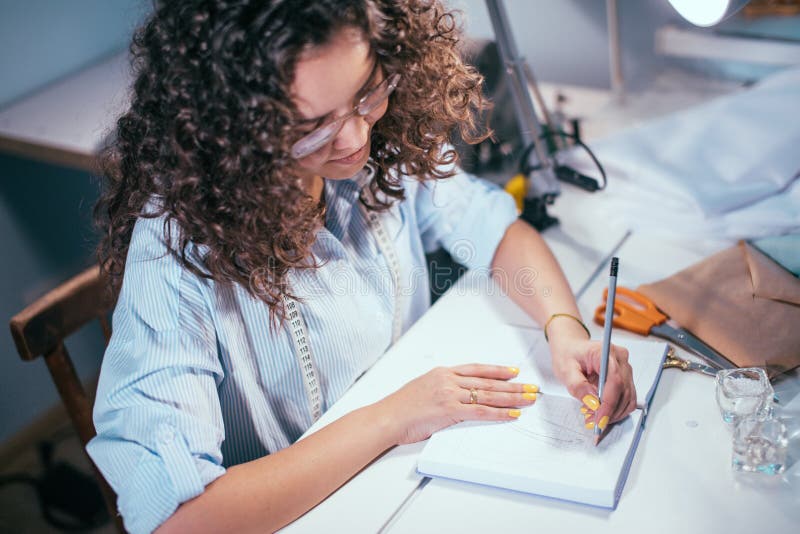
(707, 12)
(539, 171)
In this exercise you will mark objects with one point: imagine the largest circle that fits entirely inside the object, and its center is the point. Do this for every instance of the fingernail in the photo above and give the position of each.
(530, 388)
(603, 423)
(591, 401)
(584, 409)
(529, 396)
(514, 370)
(589, 425)
(514, 413)
(586, 416)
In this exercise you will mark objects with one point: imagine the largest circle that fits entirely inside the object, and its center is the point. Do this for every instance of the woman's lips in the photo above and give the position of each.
(352, 158)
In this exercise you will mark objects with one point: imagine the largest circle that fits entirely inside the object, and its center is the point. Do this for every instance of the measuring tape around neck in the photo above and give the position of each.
(297, 326)
(386, 247)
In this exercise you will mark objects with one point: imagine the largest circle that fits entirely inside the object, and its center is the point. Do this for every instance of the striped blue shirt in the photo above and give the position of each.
(194, 380)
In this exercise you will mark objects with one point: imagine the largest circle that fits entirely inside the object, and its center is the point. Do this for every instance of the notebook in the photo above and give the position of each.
(547, 451)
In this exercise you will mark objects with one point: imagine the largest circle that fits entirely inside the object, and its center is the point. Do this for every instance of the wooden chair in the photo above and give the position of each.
(40, 330)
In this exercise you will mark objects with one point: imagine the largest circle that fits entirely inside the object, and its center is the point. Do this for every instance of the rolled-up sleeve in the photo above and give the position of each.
(465, 215)
(157, 413)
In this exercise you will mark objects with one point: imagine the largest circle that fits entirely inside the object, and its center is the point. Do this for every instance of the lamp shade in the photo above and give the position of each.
(707, 12)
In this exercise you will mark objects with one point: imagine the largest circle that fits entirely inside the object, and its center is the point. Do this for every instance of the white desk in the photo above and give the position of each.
(680, 480)
(67, 122)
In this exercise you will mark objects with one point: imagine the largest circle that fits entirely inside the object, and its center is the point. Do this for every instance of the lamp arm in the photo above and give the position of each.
(542, 180)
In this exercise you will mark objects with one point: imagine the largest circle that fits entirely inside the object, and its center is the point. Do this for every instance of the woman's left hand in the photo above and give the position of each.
(576, 363)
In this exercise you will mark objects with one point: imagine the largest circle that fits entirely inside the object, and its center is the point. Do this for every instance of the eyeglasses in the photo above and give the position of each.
(308, 144)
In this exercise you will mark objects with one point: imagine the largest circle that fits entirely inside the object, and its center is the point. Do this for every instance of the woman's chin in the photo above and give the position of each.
(340, 169)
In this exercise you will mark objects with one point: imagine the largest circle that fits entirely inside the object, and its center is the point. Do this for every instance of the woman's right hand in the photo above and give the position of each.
(441, 397)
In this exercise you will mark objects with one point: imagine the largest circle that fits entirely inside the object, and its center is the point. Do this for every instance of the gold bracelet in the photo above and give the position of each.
(564, 315)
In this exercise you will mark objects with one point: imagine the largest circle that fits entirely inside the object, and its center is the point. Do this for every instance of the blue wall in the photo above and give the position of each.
(46, 236)
(43, 40)
(45, 210)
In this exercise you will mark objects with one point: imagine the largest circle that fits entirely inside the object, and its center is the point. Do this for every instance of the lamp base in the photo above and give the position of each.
(534, 212)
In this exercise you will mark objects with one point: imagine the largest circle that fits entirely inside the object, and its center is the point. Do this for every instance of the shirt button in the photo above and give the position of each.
(166, 434)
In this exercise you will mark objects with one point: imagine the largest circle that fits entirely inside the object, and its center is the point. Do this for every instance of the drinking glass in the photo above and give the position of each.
(760, 444)
(743, 392)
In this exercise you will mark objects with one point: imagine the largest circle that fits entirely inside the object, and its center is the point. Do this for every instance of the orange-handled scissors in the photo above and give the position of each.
(635, 312)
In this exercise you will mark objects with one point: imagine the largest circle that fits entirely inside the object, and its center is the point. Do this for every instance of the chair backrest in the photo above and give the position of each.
(40, 330)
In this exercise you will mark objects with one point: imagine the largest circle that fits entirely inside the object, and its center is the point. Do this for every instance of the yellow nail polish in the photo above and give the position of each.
(530, 388)
(591, 401)
(589, 425)
(603, 423)
(586, 416)
(514, 413)
(514, 370)
(529, 396)
(584, 409)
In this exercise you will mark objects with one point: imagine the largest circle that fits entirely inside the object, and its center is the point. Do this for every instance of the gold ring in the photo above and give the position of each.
(473, 396)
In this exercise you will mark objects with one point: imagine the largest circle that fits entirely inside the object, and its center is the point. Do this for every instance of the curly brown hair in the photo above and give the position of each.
(211, 122)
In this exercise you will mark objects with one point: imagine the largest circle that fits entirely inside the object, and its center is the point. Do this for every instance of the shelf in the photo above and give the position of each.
(694, 43)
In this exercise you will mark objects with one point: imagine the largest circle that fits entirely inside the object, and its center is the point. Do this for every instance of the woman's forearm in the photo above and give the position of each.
(527, 269)
(537, 284)
(265, 494)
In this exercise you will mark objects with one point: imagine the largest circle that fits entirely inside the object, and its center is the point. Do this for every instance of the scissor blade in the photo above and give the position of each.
(689, 342)
(700, 368)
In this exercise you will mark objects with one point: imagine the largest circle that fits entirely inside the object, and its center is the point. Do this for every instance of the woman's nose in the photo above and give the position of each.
(353, 134)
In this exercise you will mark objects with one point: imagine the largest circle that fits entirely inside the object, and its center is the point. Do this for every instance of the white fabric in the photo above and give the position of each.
(726, 169)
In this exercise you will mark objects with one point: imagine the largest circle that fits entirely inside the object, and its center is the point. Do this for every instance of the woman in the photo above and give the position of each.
(273, 187)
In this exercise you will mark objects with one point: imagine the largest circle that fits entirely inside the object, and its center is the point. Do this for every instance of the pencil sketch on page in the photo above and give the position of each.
(558, 423)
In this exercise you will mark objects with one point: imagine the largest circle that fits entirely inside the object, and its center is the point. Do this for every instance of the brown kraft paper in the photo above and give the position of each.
(739, 301)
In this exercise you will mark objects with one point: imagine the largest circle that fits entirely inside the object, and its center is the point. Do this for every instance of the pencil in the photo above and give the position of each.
(601, 383)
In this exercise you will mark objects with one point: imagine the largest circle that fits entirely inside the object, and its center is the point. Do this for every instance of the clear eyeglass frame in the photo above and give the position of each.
(313, 141)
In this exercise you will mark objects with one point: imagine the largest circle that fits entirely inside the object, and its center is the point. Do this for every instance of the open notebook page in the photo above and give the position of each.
(547, 450)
